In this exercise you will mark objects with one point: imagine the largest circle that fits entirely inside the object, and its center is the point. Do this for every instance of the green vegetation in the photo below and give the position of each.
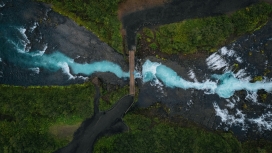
(26, 113)
(110, 97)
(263, 96)
(149, 33)
(260, 146)
(153, 46)
(98, 16)
(266, 71)
(236, 66)
(257, 78)
(155, 135)
(206, 34)
(150, 133)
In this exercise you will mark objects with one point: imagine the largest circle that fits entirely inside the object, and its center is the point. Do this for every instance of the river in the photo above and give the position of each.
(210, 91)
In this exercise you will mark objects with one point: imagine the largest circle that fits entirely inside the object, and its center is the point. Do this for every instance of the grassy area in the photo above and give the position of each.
(109, 98)
(26, 113)
(155, 135)
(150, 133)
(30, 117)
(100, 17)
(206, 34)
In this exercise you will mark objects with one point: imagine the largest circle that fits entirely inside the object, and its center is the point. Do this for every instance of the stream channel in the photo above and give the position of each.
(41, 47)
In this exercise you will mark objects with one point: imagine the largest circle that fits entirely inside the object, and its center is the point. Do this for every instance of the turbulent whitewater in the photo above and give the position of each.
(16, 49)
(224, 85)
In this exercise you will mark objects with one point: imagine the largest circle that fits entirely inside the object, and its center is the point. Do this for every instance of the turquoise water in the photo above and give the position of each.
(225, 84)
(14, 48)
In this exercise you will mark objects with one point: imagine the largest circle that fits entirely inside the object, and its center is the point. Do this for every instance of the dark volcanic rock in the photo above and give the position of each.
(58, 33)
(194, 105)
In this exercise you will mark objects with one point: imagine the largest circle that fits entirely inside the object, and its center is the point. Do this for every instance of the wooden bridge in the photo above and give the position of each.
(131, 71)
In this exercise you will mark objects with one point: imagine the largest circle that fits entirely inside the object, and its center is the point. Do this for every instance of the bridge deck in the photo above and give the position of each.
(131, 70)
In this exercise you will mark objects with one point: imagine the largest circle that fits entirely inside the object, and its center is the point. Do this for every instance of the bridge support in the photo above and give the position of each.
(131, 71)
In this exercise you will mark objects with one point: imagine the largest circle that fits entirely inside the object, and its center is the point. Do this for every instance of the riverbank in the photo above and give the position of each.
(60, 33)
(254, 50)
(176, 11)
(48, 32)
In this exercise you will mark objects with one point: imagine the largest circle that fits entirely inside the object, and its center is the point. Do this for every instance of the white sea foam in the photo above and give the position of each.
(24, 41)
(225, 86)
(264, 122)
(137, 74)
(225, 51)
(266, 63)
(224, 114)
(22, 31)
(190, 103)
(17, 46)
(66, 69)
(41, 52)
(36, 70)
(137, 71)
(157, 84)
(32, 28)
(230, 105)
(149, 71)
(216, 62)
(0, 59)
(238, 119)
(2, 4)
(239, 59)
(192, 75)
(252, 96)
(243, 75)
